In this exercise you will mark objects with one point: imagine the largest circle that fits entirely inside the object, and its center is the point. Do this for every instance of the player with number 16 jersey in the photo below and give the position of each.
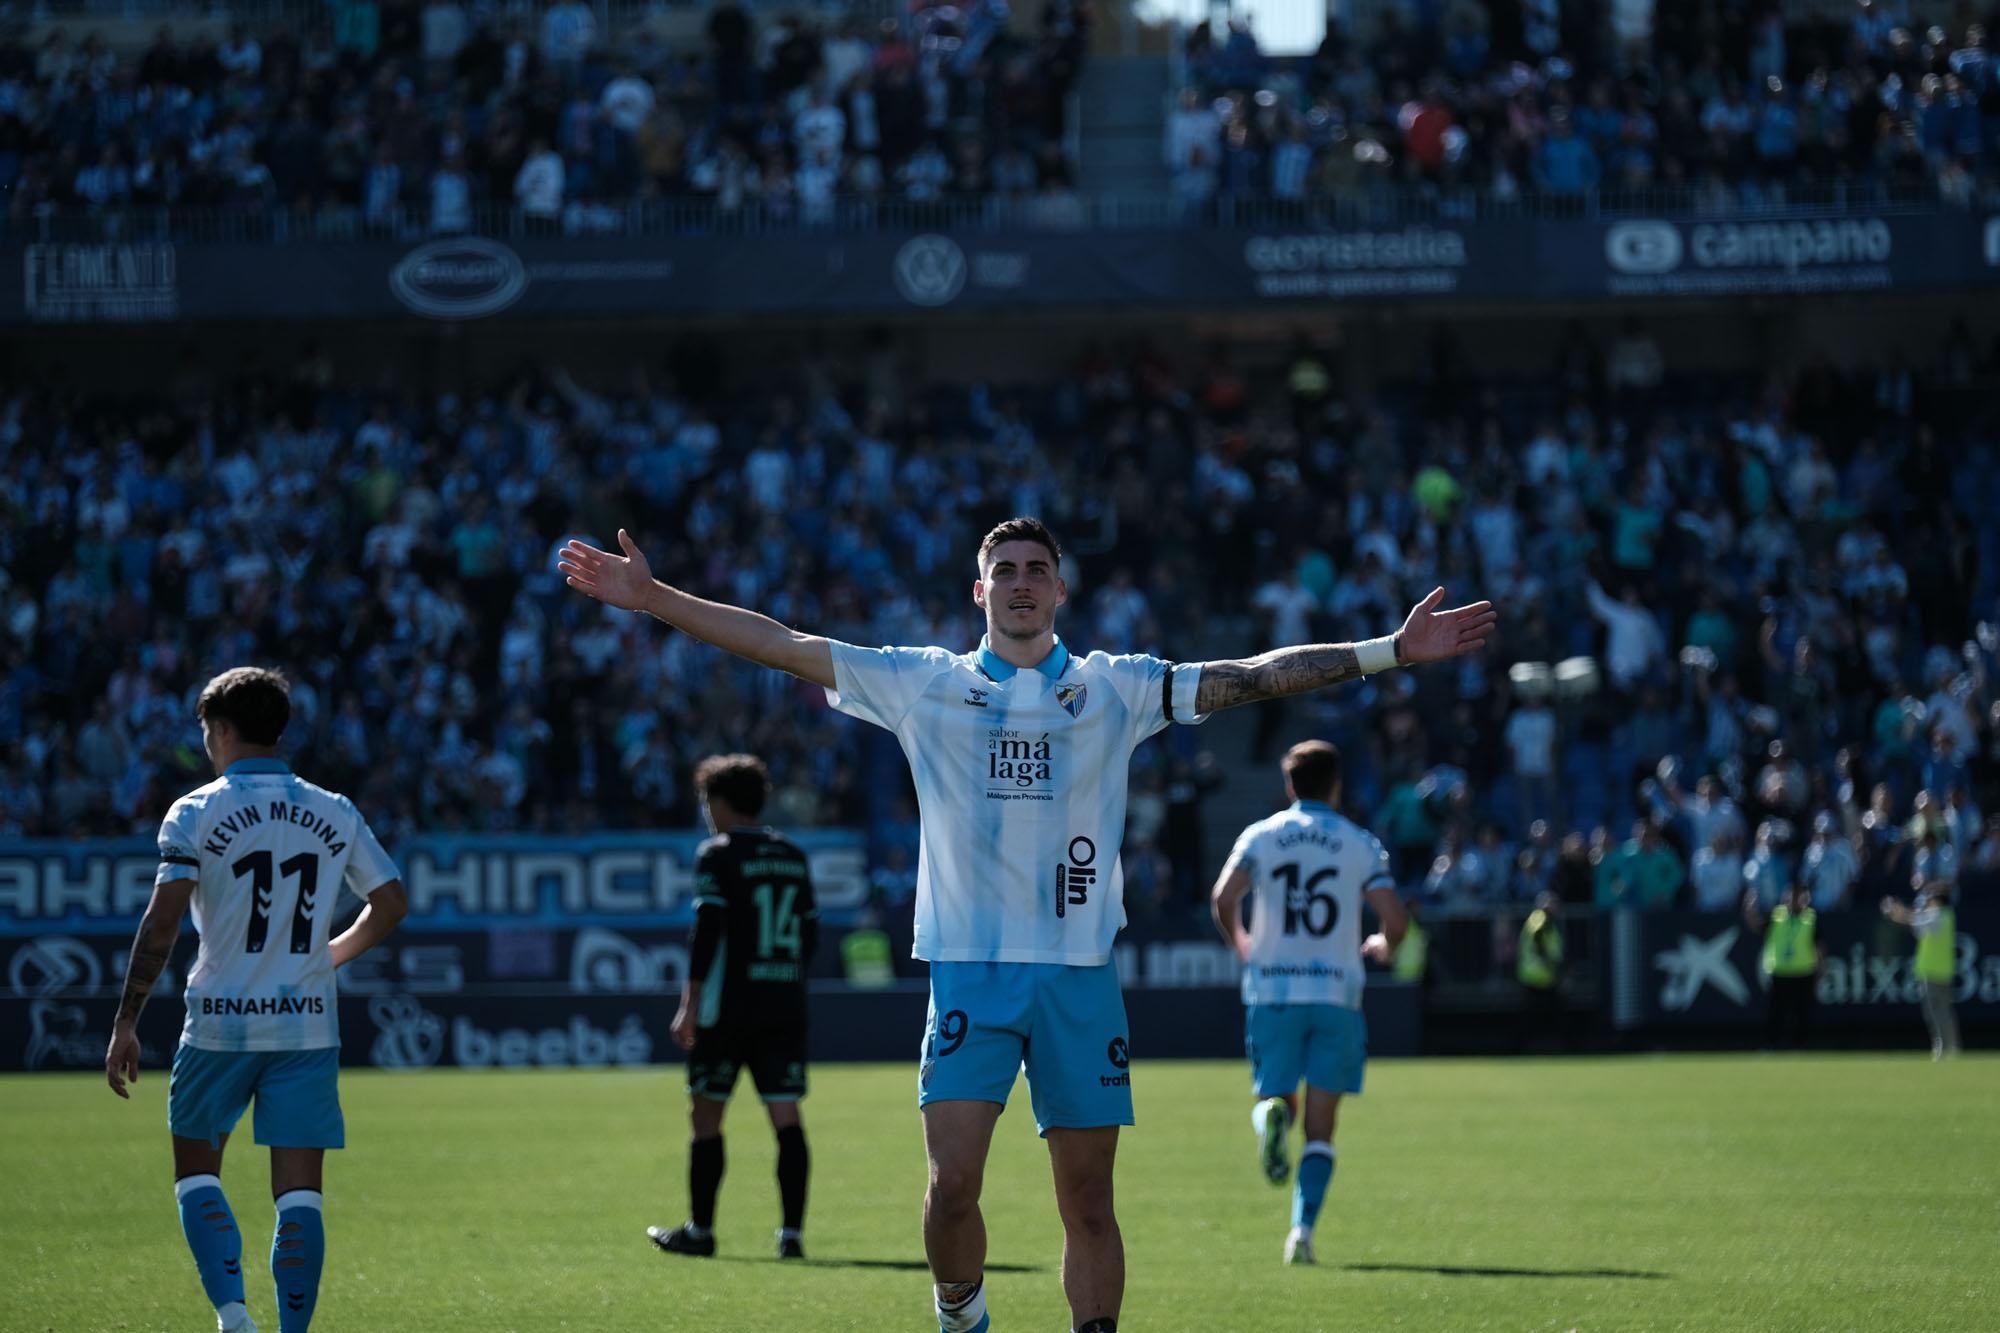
(1305, 873)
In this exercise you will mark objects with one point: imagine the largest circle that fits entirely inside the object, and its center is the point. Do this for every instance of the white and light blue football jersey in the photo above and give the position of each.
(1309, 868)
(1021, 780)
(269, 853)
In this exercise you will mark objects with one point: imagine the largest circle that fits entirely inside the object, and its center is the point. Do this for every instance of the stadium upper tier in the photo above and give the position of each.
(438, 110)
(1738, 104)
(436, 118)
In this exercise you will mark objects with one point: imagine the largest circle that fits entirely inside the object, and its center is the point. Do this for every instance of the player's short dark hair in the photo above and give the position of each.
(739, 779)
(1313, 769)
(1019, 530)
(254, 700)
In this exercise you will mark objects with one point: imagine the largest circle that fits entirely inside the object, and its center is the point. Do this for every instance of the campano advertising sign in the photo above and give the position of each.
(1654, 257)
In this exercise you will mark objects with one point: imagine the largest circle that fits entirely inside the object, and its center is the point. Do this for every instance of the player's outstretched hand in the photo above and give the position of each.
(622, 581)
(1376, 948)
(121, 1061)
(1431, 635)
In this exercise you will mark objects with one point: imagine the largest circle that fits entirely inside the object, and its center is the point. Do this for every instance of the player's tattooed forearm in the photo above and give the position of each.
(1274, 675)
(140, 974)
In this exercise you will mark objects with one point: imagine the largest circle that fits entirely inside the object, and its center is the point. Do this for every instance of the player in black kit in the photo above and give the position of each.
(744, 1003)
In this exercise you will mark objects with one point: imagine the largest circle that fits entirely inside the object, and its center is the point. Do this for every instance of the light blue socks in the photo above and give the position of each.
(298, 1253)
(1309, 1189)
(211, 1234)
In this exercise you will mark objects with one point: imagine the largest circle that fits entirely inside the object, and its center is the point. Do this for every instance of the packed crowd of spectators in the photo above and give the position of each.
(1786, 591)
(1750, 631)
(411, 116)
(1560, 97)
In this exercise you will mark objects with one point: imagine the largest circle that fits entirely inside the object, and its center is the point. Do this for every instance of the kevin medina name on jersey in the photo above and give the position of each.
(278, 812)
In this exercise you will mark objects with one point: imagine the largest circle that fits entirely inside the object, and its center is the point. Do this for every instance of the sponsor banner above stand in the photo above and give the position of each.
(1495, 259)
(454, 883)
(1701, 969)
(1745, 256)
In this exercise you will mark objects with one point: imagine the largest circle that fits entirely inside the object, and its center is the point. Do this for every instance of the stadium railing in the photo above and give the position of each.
(1387, 207)
(612, 15)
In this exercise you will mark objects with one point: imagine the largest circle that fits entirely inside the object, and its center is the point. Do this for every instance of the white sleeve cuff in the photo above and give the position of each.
(1373, 655)
(1184, 689)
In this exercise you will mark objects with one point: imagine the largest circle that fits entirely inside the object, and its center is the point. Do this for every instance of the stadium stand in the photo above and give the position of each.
(1784, 588)
(405, 118)
(1733, 103)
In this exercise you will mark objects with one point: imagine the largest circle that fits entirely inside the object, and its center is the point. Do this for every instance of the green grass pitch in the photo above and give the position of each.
(1635, 1193)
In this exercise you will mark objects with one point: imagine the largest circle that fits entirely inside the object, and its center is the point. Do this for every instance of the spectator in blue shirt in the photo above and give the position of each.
(1565, 163)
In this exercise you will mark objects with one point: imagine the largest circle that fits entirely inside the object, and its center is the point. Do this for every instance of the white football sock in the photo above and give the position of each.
(964, 1316)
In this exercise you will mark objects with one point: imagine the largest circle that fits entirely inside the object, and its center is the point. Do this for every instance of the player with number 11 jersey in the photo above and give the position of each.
(260, 857)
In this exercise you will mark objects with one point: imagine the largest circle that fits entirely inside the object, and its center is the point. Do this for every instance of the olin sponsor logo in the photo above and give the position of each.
(1075, 877)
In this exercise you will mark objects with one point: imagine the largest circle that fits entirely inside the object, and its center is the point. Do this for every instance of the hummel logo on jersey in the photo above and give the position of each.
(976, 697)
(1072, 698)
(1073, 880)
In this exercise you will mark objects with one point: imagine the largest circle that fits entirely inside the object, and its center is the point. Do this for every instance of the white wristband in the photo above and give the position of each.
(1373, 655)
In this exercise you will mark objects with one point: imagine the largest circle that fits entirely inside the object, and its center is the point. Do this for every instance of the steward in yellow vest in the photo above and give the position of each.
(1936, 929)
(866, 958)
(1790, 964)
(1538, 965)
(1538, 962)
(1413, 954)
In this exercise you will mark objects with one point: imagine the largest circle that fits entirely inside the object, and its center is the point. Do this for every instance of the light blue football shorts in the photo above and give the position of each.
(297, 1095)
(1324, 1044)
(1066, 1025)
